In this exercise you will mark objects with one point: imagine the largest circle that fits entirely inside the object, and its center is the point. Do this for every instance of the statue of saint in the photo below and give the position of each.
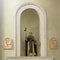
(30, 44)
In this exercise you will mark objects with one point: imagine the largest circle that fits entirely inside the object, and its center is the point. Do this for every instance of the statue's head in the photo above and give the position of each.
(30, 33)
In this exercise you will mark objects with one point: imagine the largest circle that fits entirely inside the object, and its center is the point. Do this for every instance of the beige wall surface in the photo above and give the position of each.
(1, 30)
(52, 8)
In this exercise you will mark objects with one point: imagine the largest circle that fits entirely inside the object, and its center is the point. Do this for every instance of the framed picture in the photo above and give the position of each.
(53, 43)
(8, 44)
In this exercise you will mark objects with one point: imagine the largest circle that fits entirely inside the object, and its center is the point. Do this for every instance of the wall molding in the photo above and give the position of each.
(43, 35)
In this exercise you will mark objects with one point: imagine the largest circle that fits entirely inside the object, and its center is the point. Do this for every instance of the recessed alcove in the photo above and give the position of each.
(30, 21)
(40, 17)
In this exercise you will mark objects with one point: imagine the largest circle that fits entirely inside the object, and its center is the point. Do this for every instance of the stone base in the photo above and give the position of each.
(29, 58)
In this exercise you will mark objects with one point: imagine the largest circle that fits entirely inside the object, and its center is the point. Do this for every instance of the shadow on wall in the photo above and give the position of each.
(1, 29)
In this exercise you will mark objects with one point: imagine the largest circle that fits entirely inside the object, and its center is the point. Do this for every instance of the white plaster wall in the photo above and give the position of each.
(1, 29)
(52, 8)
(9, 10)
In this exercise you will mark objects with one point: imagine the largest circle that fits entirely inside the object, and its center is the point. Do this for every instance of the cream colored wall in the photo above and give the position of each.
(0, 29)
(52, 8)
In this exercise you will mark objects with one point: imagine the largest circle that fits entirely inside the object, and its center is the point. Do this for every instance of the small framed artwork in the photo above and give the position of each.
(53, 43)
(8, 44)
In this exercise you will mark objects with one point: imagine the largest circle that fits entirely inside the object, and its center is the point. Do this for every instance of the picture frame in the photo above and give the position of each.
(8, 44)
(53, 43)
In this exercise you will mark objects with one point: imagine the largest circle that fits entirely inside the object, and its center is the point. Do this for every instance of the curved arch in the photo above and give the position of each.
(42, 28)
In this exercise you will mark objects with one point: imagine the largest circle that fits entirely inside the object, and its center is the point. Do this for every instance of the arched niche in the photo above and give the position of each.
(42, 27)
(29, 22)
